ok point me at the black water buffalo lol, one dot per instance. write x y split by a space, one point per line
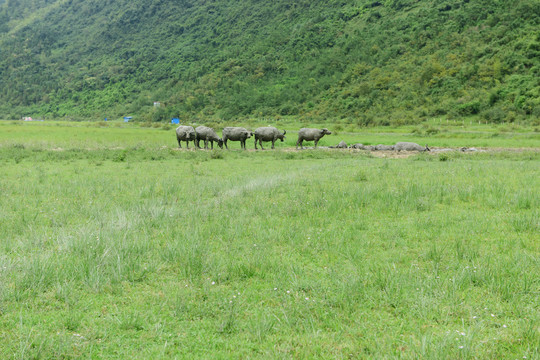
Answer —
207 135
268 133
306 134
236 134
185 133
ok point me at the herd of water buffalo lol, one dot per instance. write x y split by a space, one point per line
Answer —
271 134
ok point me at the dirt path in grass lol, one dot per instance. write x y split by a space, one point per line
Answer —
375 153
406 154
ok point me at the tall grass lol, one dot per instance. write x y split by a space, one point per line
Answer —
165 254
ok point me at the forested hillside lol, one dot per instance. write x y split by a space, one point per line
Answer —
371 62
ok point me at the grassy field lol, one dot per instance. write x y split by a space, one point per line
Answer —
115 245
110 135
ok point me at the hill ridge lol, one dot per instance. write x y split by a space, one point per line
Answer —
368 62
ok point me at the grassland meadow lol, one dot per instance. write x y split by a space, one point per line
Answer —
114 244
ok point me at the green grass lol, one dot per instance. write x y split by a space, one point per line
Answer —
147 252
113 134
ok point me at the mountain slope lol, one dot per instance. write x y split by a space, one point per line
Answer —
370 61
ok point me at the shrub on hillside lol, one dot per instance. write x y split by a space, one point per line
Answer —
494 115
469 108
432 130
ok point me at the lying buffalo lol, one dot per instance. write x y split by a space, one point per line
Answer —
306 134
409 146
236 134
341 145
185 133
268 133
207 134
382 147
358 146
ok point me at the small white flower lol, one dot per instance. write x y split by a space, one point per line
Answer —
504 326
474 317
288 292
234 296
492 315
461 346
275 289
307 298
213 283
462 334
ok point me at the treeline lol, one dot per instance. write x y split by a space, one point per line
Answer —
366 62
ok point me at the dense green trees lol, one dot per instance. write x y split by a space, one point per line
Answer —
387 61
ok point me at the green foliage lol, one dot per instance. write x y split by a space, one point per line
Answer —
373 62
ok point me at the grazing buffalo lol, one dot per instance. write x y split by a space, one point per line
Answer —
207 134
236 134
306 134
409 146
185 133
268 133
